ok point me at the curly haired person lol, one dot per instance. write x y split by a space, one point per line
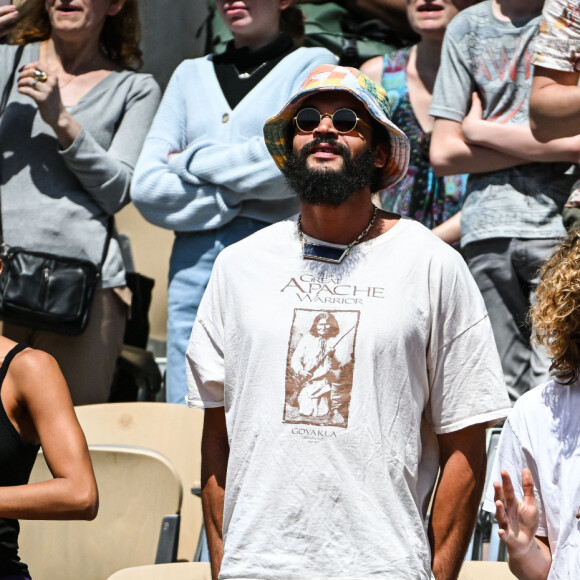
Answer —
539 517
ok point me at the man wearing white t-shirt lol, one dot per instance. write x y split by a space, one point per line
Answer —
413 375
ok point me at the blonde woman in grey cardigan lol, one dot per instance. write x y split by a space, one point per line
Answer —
70 135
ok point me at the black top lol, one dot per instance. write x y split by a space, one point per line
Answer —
16 460
239 70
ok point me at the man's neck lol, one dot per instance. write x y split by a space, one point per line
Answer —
516 10
344 223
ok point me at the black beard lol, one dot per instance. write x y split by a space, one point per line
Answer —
327 186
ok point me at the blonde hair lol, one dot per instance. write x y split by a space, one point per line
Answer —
556 315
119 39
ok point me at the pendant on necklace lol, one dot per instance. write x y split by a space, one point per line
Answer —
322 252
248 74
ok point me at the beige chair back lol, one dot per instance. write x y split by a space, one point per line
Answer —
177 571
174 431
137 488
480 570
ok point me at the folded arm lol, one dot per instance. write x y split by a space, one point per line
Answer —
42 395
166 199
187 184
243 170
451 154
516 140
554 104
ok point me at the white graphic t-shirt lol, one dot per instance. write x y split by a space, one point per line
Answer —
336 380
542 434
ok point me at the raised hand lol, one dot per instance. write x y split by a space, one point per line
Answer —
42 86
8 18
518 520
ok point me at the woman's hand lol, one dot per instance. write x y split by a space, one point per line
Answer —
8 18
38 82
518 520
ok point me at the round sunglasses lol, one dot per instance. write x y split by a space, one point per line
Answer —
343 120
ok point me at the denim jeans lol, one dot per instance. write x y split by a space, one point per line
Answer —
190 267
506 271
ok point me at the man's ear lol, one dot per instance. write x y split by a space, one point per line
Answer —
382 151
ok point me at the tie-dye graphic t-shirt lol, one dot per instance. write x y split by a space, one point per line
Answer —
421 195
558 41
493 57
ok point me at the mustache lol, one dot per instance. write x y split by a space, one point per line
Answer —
344 151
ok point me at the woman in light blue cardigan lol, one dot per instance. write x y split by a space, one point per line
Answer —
204 170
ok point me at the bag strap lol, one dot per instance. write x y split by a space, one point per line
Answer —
4 102
10 82
111 224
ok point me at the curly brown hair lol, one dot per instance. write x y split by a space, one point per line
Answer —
119 40
556 315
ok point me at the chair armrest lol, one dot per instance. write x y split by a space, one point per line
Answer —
168 539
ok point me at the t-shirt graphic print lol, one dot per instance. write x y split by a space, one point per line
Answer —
319 367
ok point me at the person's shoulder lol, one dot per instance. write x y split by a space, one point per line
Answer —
470 19
539 401
313 51
313 54
425 242
142 82
31 366
131 85
261 244
188 70
8 53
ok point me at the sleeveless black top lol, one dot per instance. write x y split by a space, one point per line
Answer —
16 460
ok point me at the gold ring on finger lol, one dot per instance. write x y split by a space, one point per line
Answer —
40 75
34 83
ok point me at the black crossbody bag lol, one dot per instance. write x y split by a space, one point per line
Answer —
43 290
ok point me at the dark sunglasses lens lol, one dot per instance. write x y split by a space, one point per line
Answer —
307 120
344 120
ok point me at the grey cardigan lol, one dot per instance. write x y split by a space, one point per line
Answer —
59 201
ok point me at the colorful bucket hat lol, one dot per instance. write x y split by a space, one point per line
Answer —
372 96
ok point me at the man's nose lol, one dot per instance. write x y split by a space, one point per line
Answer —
325 126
